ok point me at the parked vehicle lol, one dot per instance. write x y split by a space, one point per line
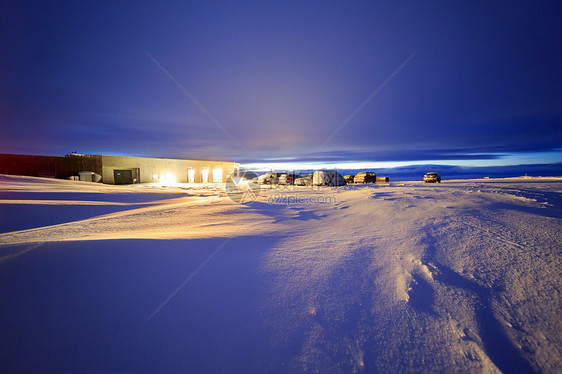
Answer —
432 178
365 177
348 178
305 180
269 178
327 178
288 178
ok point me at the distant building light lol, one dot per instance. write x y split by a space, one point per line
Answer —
191 176
205 175
217 175
168 179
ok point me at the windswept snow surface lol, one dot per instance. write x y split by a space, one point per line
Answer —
402 277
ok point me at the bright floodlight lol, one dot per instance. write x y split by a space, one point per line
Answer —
217 175
191 176
168 179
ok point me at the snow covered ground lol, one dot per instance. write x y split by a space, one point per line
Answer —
405 276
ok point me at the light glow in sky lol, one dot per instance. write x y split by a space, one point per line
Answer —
504 160
319 82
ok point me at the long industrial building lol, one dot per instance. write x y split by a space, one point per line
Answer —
119 169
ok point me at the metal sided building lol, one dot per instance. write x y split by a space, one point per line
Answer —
49 166
128 170
120 169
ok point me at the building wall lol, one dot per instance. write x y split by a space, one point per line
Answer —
143 167
150 167
49 166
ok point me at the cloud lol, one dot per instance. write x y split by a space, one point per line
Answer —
470 93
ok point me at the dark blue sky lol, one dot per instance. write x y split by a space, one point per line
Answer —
470 82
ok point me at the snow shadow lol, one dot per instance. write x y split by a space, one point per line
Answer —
278 212
15 217
128 198
307 215
553 211
497 344
83 306
422 295
388 196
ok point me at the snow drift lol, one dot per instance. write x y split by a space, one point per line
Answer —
462 276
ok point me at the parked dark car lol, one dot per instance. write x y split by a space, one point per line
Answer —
365 177
288 178
349 178
304 180
432 178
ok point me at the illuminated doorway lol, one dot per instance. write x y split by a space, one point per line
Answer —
217 175
190 175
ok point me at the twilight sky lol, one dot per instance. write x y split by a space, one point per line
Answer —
455 82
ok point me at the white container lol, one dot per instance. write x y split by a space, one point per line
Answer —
327 178
86 176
